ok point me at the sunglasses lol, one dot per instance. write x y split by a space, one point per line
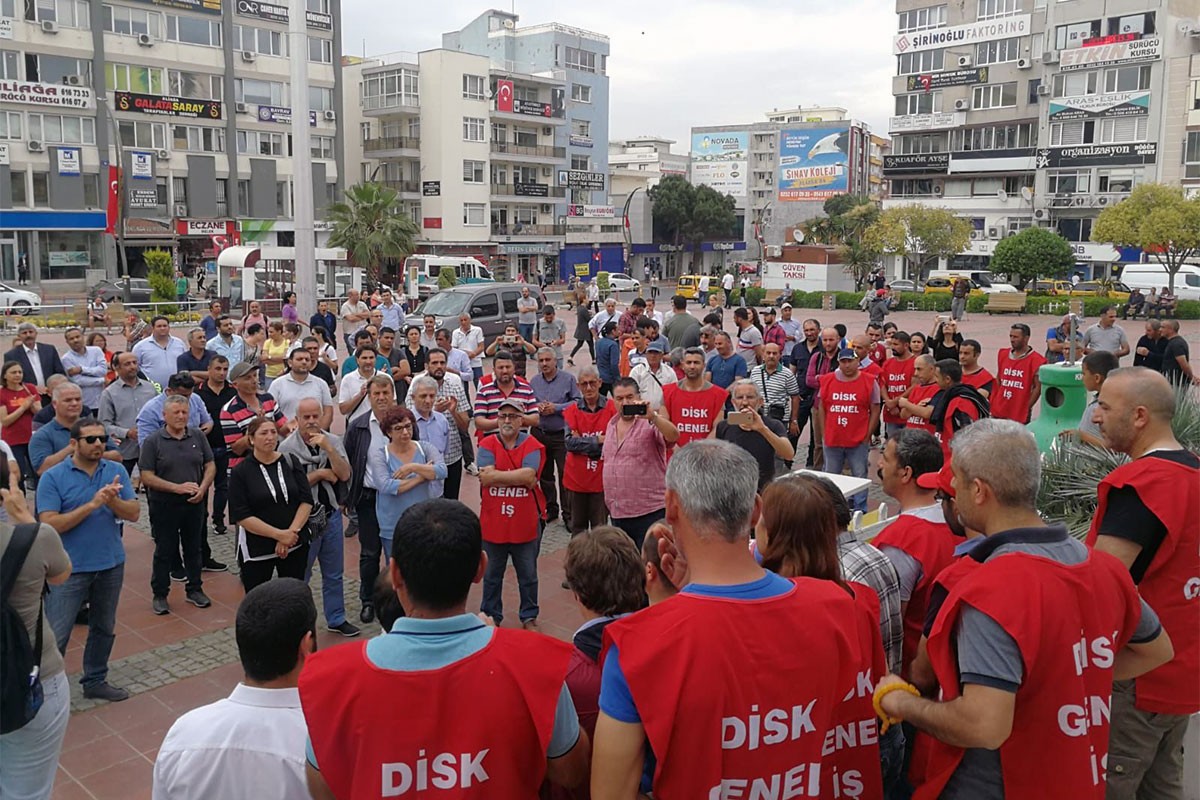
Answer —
93 439
508 416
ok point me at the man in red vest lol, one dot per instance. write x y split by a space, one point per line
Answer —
443 701
1027 644
1148 519
849 402
694 405
973 374
919 543
1018 386
511 509
956 405
583 477
896 378
917 406
719 725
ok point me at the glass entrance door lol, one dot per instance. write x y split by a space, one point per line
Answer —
8 260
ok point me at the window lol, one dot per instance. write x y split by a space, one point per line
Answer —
260 143
996 95
1075 84
473 129
582 60
320 51
1195 104
10 62
263 93
282 195
243 195
67 13
263 41
525 215
1073 35
1127 79
912 187
390 89
193 30
1191 156
919 143
320 98
41 188
581 162
581 93
320 6
989 9
91 190
364 129
581 127
179 190
1076 230
8 8
525 137
198 138
998 51
126 21
920 62
322 147
918 103
195 84
58 129
143 134
473 214
16 183
132 78
1132 23
10 125
921 18
473 87
1117 181
994 137
1118 130
473 171
1013 184
53 69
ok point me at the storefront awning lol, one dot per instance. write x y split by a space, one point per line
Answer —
239 257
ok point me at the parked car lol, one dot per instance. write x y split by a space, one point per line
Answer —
1116 291
110 291
491 306
945 285
904 286
622 282
1052 287
18 301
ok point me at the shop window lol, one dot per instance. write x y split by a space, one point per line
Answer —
16 183
41 189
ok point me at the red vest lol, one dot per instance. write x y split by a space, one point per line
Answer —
1171 585
510 514
476 728
1014 383
847 407
871 370
879 353
694 414
931 544
947 431
919 393
895 379
748 691
582 474
979 380
1067 633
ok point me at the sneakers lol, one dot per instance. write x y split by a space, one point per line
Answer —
104 691
351 529
367 615
198 598
531 625
178 575
471 469
219 528
345 629
212 565
159 605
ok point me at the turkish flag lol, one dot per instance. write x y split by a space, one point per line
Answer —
504 96
114 204
926 81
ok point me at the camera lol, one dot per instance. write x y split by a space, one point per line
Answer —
510 340
634 409
776 412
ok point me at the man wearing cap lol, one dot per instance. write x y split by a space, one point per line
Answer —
551 333
849 402
653 375
773 332
242 409
511 510
792 332
878 307
150 418
38 361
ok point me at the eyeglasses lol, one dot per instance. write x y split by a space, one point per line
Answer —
589 383
508 416
402 426
93 439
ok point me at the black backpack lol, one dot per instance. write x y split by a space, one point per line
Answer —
20 663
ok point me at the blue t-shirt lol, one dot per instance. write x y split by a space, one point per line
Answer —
615 698
726 370
209 325
49 439
95 543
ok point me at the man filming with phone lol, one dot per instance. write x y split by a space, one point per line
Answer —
763 437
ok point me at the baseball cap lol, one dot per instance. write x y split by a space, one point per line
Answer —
847 353
768 310
786 305
655 347
510 402
939 480
240 370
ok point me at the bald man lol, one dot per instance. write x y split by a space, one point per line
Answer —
916 405
1147 518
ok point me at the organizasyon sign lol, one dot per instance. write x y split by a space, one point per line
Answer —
1132 52
719 160
46 94
812 163
959 35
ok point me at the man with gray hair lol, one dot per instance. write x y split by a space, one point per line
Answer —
669 677
432 425
450 399
554 391
1028 642
52 444
85 366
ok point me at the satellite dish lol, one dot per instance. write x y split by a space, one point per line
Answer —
798 236
1001 194
1026 194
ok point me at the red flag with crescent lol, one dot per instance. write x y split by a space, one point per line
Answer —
114 205
504 96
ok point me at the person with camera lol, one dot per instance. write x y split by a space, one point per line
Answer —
779 388
634 459
763 437
516 344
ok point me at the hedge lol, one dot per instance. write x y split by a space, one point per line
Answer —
940 302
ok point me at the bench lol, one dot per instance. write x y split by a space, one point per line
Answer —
1003 302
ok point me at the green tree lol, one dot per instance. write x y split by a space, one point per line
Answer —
713 217
447 278
1158 219
1031 254
918 234
160 273
371 228
858 259
687 214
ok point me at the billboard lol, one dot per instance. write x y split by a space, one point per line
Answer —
720 160
961 35
813 163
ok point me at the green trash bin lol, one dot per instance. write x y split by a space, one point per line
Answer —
1062 403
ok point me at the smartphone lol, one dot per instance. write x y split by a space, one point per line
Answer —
740 417
510 340
943 318
634 409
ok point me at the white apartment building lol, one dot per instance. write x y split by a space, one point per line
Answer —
641 163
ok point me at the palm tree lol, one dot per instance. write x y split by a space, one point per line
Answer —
371 228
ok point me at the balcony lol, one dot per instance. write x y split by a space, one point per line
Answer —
413 187
532 152
519 230
392 146
534 192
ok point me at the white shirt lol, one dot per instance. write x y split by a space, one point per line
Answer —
288 392
650 384
35 363
705 283
349 308
251 744
379 441
657 316
352 383
727 281
469 341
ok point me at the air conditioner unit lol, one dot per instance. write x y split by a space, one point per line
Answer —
241 108
145 40
249 57
1009 233
72 80
49 26
1050 57
547 172
546 208
1103 200
1081 200
163 155
938 189
35 146
962 105
965 61
1024 63
547 130
774 251
330 116
976 235
1040 213
181 209
994 232
1043 90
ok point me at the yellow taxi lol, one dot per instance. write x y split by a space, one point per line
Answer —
1116 291
1053 287
688 286
946 285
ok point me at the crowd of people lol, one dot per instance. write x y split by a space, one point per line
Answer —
930 657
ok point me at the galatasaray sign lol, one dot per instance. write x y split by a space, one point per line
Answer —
168 106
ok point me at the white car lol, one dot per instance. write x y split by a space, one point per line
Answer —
20 301
622 282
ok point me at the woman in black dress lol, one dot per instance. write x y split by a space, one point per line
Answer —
583 333
269 500
945 340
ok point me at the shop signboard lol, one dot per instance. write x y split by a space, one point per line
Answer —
1091 155
720 160
431 188
584 210
282 115
143 198
165 105
578 140
51 95
530 189
271 12
1148 48
927 122
318 20
204 227
141 165
69 161
202 6
1092 106
958 36
812 163
916 162
69 258
532 108
4 157
432 223
6 28
581 179
941 80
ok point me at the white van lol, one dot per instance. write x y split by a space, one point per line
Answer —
983 277
428 267
1153 275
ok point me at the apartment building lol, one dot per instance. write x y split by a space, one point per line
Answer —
1015 113
491 141
196 91
642 162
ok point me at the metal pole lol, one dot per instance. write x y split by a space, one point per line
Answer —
122 199
305 266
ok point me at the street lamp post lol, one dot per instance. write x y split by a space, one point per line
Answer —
626 232
122 198
305 265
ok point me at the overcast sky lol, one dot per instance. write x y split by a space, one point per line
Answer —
677 63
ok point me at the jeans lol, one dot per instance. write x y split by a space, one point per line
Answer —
587 510
28 473
579 343
453 482
176 525
101 591
30 754
891 762
476 376
526 331
958 307
636 527
555 443
524 558
328 550
258 572
220 487
836 458
369 545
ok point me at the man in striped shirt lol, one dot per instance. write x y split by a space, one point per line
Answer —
779 388
249 403
505 383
